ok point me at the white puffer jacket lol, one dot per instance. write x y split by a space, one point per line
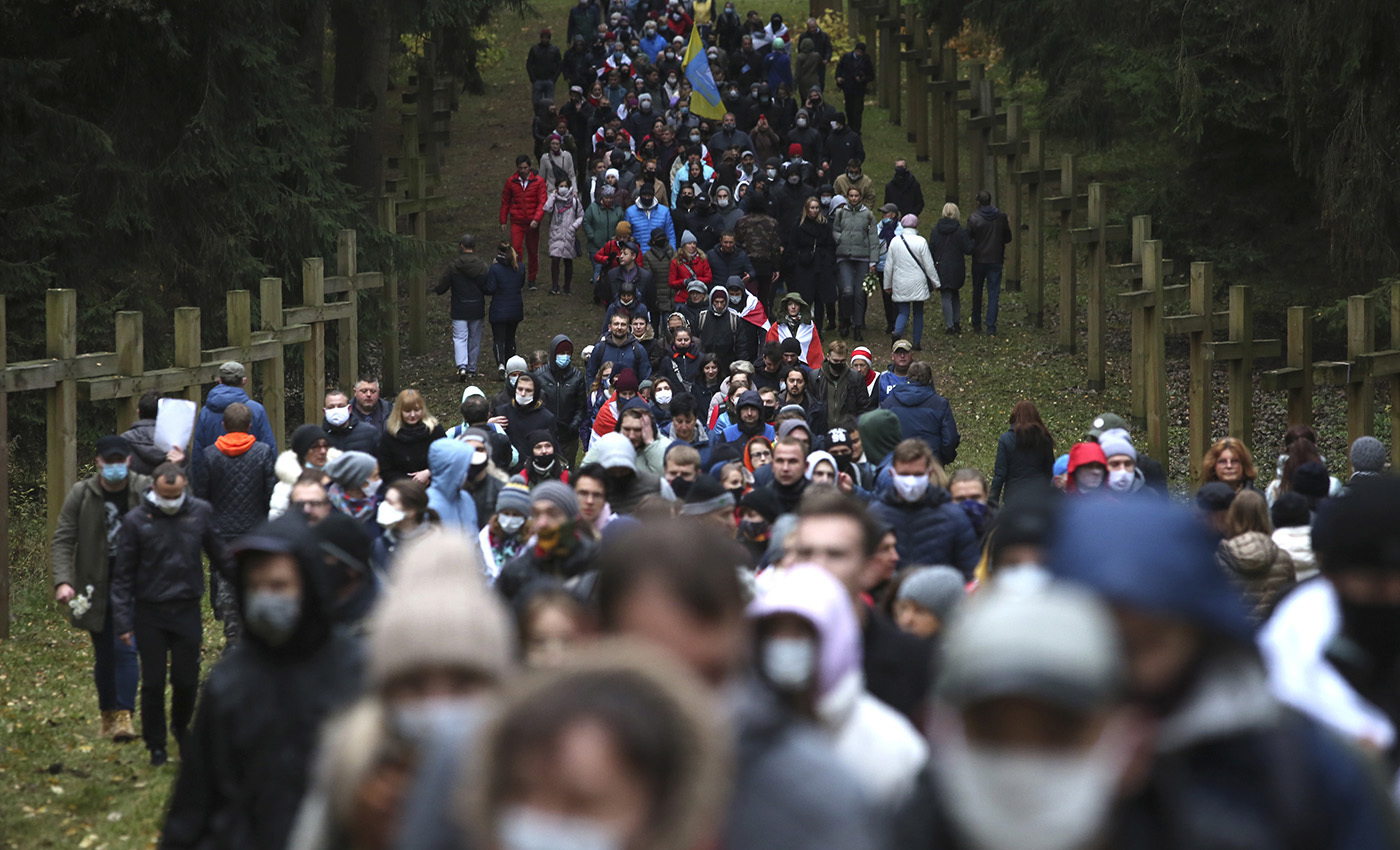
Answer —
909 267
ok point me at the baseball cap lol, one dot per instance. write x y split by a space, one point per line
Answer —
471 391
996 647
1105 422
232 369
903 345
889 208
112 446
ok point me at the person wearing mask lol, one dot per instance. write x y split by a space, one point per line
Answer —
466 277
812 248
949 243
515 367
563 546
82 555
627 483
857 249
405 517
544 462
411 429
522 207
622 350
723 331
910 276
648 215
681 361
854 178
561 388
855 74
925 414
750 424
1190 648
526 414
929 527
904 190
657 262
1025 453
245 763
342 430
991 231
1120 457
566 216
629 272
839 389
505 535
689 264
232 387
628 302
861 361
729 135
236 478
157 582
557 164
354 488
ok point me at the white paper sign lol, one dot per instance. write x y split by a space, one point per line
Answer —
175 423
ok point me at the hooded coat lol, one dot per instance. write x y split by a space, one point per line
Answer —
807 68
450 462
210 425
562 390
600 225
950 244
925 414
932 530
145 456
566 216
728 334
812 248
1262 569
466 277
521 421
245 764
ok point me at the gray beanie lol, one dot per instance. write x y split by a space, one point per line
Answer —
351 469
1116 441
940 590
1368 455
515 496
517 364
687 237
558 494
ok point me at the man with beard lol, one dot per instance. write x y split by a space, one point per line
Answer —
750 424
841 390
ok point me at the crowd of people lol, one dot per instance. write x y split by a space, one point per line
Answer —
712 580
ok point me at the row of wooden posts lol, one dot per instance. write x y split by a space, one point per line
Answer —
919 81
329 303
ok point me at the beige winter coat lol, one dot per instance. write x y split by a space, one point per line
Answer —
1261 569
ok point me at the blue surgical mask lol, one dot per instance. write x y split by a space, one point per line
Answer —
562 360
114 473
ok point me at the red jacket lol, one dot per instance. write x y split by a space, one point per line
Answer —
523 203
683 270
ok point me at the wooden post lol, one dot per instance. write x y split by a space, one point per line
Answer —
887 62
1098 221
4 489
948 77
238 304
1361 392
1142 231
976 142
274 371
61 410
1394 379
313 294
1154 339
1240 369
347 330
1199 395
1010 200
1035 235
1300 356
131 361
893 80
189 348
393 363
918 82
1067 337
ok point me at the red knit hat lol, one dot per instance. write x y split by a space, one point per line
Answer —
794 149
863 352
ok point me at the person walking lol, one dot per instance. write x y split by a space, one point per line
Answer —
1025 454
566 215
411 429
812 252
990 230
505 283
466 278
857 250
600 222
949 243
925 414
343 431
82 555
910 275
904 190
855 74
157 583
232 387
543 64
522 207
561 388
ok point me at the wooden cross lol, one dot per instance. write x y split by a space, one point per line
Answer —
981 121
349 280
1150 302
1132 272
1066 203
1010 150
1034 178
1096 238
416 204
1296 379
1238 354
888 22
946 108
918 55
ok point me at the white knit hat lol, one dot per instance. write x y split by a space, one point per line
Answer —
439 612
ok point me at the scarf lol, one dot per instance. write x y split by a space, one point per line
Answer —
412 433
235 444
556 544
361 508
683 355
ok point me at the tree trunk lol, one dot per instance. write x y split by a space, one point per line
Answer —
311 48
361 83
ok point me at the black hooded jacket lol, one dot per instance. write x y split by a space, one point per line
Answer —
562 390
245 763
466 277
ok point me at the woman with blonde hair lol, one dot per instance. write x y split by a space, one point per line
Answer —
1229 462
950 244
409 430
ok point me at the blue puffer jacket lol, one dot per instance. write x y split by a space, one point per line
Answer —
210 424
930 531
925 414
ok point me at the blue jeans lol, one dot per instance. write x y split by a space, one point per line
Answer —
541 89
115 669
952 308
991 273
903 318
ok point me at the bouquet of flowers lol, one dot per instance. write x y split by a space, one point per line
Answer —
81 604
873 283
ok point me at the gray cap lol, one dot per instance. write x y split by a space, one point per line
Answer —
889 208
1106 422
997 646
1368 455
938 590
232 369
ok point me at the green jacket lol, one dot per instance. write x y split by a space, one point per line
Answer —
600 225
80 548
856 234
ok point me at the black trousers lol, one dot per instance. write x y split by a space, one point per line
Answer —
855 109
168 630
503 340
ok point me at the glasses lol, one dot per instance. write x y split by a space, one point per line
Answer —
760 455
308 504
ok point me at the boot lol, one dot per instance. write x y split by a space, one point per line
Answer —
122 728
109 723
860 335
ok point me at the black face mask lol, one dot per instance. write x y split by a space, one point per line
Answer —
752 531
681 487
770 414
543 462
843 462
1375 629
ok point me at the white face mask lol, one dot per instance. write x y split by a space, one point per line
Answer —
428 721
337 416
1030 800
169 507
662 396
1088 479
524 399
911 488
1120 480
789 662
510 523
521 828
389 516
